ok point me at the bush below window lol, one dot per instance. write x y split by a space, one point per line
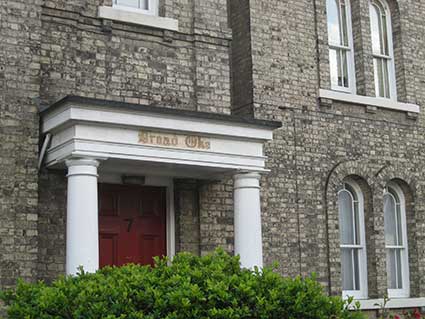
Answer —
212 286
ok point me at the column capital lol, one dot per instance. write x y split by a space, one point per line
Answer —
82 166
246 180
82 162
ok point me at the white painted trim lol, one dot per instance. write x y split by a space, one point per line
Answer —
96 149
117 117
139 17
114 134
394 303
367 100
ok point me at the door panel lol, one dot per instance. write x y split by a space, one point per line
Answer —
150 245
132 224
108 203
108 242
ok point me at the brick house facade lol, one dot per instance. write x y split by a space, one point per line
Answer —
263 62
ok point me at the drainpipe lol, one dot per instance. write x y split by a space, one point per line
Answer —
43 149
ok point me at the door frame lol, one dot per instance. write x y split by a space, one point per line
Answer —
158 181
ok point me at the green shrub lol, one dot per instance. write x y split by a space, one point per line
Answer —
213 286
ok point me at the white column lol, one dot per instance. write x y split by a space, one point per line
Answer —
248 237
82 235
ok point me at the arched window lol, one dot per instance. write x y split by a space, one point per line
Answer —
341 56
144 6
396 242
383 53
352 241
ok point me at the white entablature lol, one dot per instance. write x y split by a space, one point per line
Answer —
84 127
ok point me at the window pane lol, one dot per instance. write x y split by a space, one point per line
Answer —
375 72
345 204
336 67
386 79
138 4
375 19
355 253
394 273
344 70
350 269
334 31
357 221
399 226
382 81
144 4
397 213
384 35
347 269
344 23
391 269
338 61
379 31
352 191
128 3
339 66
379 77
390 220
399 274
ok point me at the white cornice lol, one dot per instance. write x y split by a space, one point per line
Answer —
113 134
72 113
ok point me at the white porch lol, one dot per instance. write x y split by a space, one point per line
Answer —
118 140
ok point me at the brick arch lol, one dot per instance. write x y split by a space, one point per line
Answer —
397 171
342 170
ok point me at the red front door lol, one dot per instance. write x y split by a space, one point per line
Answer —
132 226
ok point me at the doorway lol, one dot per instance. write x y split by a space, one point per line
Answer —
132 224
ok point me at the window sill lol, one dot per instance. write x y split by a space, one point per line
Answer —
368 101
138 18
394 303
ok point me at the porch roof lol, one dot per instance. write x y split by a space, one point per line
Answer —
160 110
144 138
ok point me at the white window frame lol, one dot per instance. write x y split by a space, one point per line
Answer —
389 58
405 291
348 49
362 293
153 7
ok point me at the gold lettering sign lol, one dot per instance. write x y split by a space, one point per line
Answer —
174 140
